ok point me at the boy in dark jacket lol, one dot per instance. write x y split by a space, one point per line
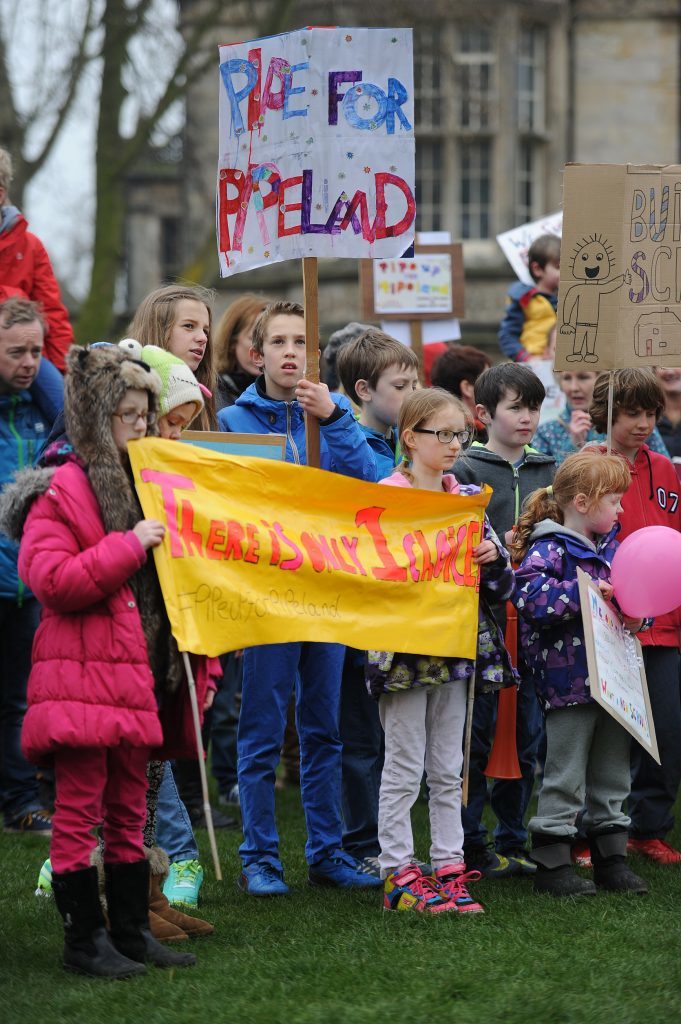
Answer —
276 403
508 399
652 500
531 309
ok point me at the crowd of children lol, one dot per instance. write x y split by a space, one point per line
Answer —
107 678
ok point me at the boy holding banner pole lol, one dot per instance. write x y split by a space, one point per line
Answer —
278 402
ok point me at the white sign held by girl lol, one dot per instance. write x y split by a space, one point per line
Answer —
616 672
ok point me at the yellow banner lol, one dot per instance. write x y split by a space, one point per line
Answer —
259 552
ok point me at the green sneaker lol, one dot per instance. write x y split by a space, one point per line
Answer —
489 863
182 885
45 880
521 857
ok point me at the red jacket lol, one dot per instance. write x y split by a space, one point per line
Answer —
25 266
653 500
91 684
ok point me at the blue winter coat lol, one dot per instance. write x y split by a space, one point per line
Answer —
343 446
384 450
549 610
23 431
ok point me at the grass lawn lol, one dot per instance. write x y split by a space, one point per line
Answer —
326 957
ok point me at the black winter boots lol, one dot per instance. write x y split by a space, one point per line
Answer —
127 896
609 858
87 945
555 875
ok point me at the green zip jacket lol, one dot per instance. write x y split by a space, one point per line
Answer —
511 485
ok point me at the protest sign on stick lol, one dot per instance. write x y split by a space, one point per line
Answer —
315 155
316 146
619 303
617 677
427 286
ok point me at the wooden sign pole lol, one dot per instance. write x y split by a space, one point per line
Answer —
611 385
416 334
311 302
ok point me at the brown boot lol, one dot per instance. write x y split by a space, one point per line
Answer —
165 931
160 908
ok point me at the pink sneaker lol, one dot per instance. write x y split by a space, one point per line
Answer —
451 881
409 889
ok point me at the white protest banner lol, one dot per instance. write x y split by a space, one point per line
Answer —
316 147
616 674
515 244
554 403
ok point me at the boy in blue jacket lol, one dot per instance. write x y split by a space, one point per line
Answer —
276 403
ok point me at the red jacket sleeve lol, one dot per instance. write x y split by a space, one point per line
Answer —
45 290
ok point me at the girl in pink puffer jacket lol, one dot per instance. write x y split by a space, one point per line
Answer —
104 659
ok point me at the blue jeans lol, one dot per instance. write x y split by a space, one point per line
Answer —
224 723
654 787
174 832
362 738
269 679
19 792
509 798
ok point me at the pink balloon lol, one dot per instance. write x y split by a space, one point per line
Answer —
646 572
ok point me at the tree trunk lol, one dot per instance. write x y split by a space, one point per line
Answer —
96 313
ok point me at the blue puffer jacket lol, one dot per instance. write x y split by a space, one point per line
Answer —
23 431
549 610
343 446
384 450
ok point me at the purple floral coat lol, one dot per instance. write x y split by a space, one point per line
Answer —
549 610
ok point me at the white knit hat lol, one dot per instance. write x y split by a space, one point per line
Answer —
178 383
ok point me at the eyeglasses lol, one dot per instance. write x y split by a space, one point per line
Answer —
130 418
447 436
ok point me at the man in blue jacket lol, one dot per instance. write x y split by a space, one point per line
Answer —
276 404
23 430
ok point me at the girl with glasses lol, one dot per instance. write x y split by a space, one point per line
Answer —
107 675
422 699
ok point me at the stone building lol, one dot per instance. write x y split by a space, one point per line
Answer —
506 93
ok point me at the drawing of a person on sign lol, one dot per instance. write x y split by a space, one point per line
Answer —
591 266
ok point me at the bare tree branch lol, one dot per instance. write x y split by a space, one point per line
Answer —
80 60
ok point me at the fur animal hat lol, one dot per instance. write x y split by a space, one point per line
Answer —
96 381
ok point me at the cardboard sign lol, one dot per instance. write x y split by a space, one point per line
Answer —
266 552
617 678
515 244
619 303
316 147
259 446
